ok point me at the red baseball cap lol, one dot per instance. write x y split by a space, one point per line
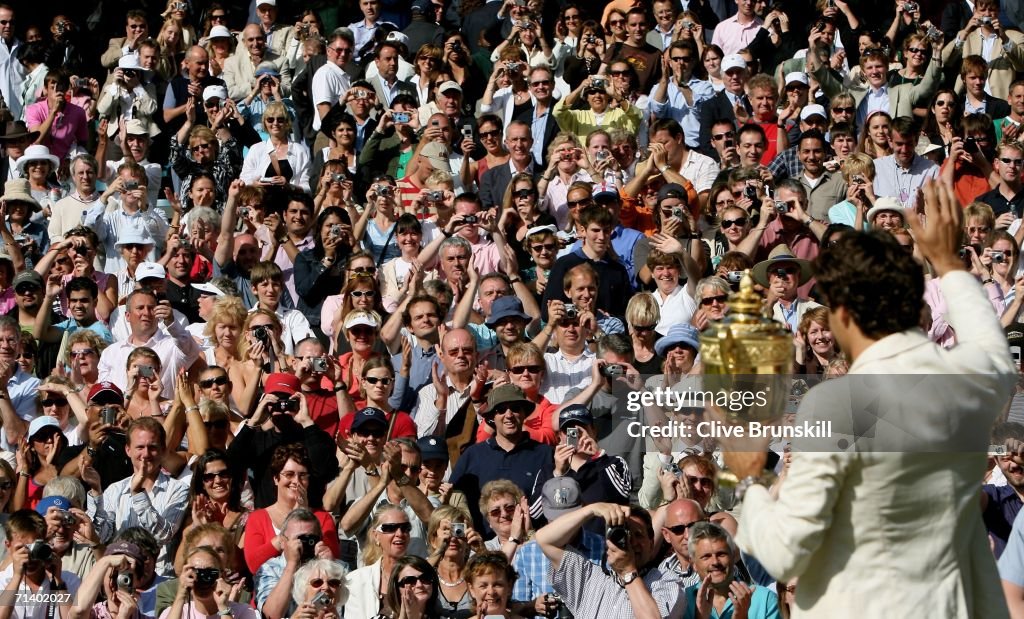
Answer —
106 392
281 382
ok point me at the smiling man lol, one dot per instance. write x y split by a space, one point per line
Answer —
713 553
824 189
149 497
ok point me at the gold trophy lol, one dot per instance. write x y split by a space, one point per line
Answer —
747 359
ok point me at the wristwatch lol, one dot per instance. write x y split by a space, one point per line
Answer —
808 220
516 541
748 481
225 613
628 577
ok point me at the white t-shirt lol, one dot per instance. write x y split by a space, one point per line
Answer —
330 83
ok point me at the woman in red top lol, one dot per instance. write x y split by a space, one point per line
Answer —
526 370
263 540
362 332
35 458
377 384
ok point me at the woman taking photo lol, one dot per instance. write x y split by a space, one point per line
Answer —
587 56
500 98
387 542
598 112
415 593
1004 256
216 496
178 12
341 149
521 212
530 40
320 270
813 342
142 398
491 132
874 137
102 578
460 65
289 467
566 162
942 123
278 162
334 187
262 347
374 226
642 318
321 578
449 554
201 592
266 90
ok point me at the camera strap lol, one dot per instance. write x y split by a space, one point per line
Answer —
387 241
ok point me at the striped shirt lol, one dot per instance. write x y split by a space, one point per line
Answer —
563 374
588 592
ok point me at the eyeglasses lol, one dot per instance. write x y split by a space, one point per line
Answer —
681 58
27 354
572 17
275 119
427 58
220 424
679 529
373 380
362 293
410 580
721 136
394 527
715 299
54 402
543 247
198 147
844 110
490 134
221 474
618 73
578 203
1014 162
541 83
301 475
523 193
497 511
85 352
978 229
340 50
644 328
694 480
206 383
519 369
616 22
134 246
728 223
333 583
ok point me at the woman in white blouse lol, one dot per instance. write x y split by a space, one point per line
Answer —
277 162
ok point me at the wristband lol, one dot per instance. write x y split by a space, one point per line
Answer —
191 408
986 282
341 386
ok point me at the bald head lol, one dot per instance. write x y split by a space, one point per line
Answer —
197 63
683 511
197 53
458 352
254 40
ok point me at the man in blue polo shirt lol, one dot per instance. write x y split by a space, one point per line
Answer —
1001 504
509 454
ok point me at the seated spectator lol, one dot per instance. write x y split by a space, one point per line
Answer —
368 586
969 165
416 589
301 542
713 553
782 274
316 580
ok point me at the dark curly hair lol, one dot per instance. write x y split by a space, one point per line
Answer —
875 279
293 451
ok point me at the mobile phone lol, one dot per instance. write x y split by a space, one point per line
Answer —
400 117
970 144
1015 353
467 132
572 437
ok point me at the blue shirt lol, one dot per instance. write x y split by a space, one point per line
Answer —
528 465
1003 507
266 578
423 360
21 390
675 107
764 604
1011 563
71 325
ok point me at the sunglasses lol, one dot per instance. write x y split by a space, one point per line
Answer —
362 293
333 583
917 50
523 193
27 289
721 136
220 17
578 203
222 474
679 529
844 110
27 355
681 58
340 50
408 581
373 380
519 369
134 247
644 328
616 22
6 484
206 383
728 223
490 134
373 433
85 352
718 298
618 73
693 480
220 424
496 511
943 103
54 402
363 270
1014 162
199 147
541 83
394 527
543 247
275 119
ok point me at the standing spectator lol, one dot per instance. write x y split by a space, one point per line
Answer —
902 174
11 70
636 51
62 127
737 32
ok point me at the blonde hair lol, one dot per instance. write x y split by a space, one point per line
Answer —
84 336
373 552
275 326
226 310
858 164
643 309
445 512
278 109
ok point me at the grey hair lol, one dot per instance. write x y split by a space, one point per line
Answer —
68 487
344 34
454 241
715 282
793 185
301 514
330 569
88 160
710 531
206 214
10 323
618 343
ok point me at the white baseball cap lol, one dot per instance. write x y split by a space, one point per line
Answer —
733 61
813 110
797 77
209 288
357 319
146 270
215 91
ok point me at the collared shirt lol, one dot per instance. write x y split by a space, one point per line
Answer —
828 190
1000 204
159 511
426 413
688 115
894 181
873 101
564 373
21 390
556 194
537 129
266 578
764 604
677 308
330 83
700 170
671 567
1003 506
588 592
32 610
175 347
117 223
534 568
69 129
732 36
390 91
288 267
970 108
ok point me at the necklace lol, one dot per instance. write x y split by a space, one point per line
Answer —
450 584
